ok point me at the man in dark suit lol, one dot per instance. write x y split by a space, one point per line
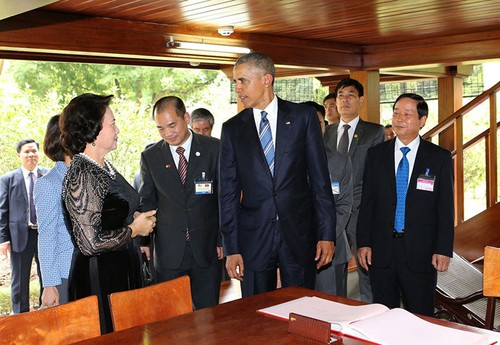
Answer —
405 226
354 136
18 225
276 203
179 176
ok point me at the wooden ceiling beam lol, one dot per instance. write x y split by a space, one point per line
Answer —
43 34
55 33
451 50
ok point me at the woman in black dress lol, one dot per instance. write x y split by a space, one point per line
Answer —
100 206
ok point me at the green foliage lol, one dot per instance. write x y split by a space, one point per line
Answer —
5 303
5 306
32 92
141 85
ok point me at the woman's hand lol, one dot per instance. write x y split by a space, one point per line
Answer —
143 223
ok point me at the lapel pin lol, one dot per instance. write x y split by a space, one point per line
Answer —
167 166
287 123
197 154
356 137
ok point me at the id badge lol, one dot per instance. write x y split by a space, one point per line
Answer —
426 182
335 188
203 185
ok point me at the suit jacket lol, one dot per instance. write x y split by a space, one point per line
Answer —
178 206
366 135
299 194
14 208
429 225
340 169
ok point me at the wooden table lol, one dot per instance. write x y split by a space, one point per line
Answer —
235 322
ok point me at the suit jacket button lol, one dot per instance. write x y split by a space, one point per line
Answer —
273 220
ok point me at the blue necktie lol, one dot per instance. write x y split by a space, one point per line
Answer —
32 203
401 190
266 140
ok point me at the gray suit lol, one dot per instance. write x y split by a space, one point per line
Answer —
14 206
332 278
366 135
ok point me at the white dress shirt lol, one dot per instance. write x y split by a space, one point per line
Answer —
272 117
340 130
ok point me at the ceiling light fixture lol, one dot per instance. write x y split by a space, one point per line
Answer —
226 30
206 47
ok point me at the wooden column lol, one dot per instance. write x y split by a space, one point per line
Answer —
491 156
449 100
370 111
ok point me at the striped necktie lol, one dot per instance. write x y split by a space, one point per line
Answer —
183 165
266 140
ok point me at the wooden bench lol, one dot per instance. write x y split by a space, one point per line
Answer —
459 293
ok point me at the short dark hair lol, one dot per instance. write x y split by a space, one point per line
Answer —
164 102
259 60
332 95
316 106
388 126
202 114
346 82
81 121
24 142
422 107
52 140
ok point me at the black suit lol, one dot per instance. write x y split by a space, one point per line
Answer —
366 135
429 226
179 208
259 210
14 206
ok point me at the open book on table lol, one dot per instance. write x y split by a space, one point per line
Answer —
376 323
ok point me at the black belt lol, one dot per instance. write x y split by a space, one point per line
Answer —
396 234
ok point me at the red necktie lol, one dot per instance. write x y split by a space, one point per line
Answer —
183 164
182 168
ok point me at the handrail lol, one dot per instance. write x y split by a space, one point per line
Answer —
475 139
450 120
455 121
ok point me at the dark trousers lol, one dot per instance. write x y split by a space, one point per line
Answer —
291 273
20 265
391 283
205 281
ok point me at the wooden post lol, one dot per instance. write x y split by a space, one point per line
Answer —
491 156
370 111
449 101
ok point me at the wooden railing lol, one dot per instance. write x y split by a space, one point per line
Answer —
489 136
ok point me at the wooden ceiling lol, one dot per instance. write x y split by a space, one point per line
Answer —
324 38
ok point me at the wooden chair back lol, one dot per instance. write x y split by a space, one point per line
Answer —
152 303
64 324
491 282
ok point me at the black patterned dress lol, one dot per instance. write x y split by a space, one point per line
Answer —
99 205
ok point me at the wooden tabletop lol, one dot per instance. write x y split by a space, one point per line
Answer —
235 322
